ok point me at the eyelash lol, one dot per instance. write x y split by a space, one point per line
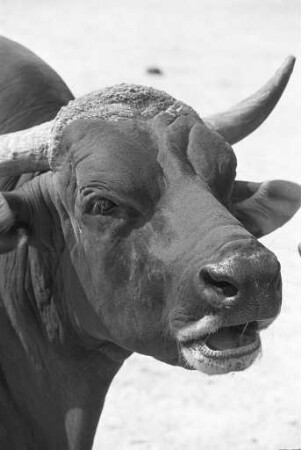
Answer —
100 206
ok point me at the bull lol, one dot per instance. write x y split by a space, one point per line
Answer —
123 229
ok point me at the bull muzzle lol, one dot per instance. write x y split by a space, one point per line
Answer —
242 291
246 273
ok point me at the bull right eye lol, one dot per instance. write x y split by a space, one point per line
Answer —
100 206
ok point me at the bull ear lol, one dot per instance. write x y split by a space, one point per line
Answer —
264 207
12 231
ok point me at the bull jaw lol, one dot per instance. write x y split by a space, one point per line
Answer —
224 350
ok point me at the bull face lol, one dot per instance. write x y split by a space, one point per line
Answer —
159 251
163 263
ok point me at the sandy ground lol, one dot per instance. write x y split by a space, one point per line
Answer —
212 53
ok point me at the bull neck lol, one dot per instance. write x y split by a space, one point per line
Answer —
64 382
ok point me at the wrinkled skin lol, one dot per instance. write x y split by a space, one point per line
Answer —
92 281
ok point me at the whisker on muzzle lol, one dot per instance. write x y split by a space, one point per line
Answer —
243 332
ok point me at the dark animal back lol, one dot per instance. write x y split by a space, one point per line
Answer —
31 92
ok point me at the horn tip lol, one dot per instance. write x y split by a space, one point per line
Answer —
288 64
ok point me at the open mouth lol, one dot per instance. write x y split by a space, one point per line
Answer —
223 350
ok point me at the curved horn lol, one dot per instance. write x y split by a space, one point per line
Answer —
236 123
26 150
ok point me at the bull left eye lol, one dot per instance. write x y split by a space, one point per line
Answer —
100 206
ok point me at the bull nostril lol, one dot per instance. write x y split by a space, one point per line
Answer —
224 287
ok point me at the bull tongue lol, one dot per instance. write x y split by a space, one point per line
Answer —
229 337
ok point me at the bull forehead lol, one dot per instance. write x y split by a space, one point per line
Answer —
137 158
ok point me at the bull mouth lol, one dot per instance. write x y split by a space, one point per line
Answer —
226 349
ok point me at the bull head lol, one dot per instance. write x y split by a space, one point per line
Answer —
158 234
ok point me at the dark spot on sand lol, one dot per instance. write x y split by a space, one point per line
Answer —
154 70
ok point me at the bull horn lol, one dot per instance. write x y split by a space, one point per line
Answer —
26 150
239 121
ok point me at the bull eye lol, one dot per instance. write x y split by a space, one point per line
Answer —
100 206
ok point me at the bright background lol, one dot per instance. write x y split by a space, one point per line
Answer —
212 53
